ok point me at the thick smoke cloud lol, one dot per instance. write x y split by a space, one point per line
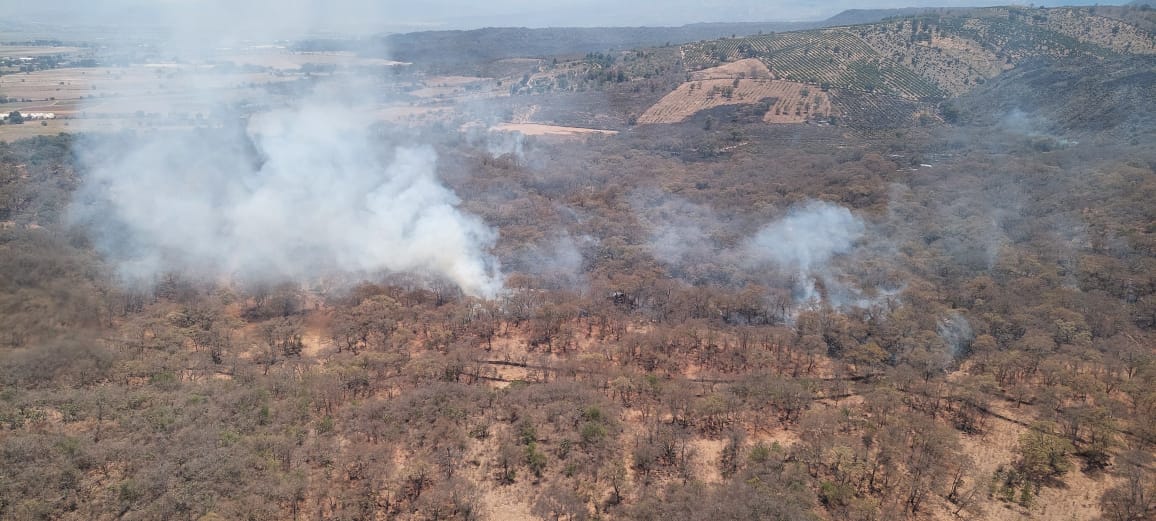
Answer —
804 242
322 199
306 190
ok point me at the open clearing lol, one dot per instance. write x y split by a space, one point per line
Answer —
1077 499
459 88
748 68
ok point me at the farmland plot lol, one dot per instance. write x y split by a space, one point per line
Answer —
954 64
784 101
833 57
748 68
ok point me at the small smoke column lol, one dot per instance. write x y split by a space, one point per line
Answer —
956 332
305 190
679 229
503 144
803 243
559 261
1035 128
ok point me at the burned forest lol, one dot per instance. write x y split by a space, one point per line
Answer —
898 264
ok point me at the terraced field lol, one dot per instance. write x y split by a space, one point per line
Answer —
876 111
743 82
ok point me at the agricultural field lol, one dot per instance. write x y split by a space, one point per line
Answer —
749 68
456 87
18 51
866 110
149 95
784 101
954 64
834 57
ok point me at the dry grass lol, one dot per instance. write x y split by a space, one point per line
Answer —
749 68
506 504
791 102
1077 499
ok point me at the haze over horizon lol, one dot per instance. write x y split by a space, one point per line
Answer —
368 17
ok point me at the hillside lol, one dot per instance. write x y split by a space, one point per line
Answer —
1083 96
465 48
930 56
886 74
936 55
474 47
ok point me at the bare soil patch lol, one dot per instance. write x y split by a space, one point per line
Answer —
749 68
787 101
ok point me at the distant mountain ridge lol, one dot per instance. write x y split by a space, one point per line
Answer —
867 16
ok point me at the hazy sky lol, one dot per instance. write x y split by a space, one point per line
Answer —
393 15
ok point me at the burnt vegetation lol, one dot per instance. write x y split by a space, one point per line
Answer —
999 347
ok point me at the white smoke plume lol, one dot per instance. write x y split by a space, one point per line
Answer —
506 144
804 242
679 229
305 190
956 332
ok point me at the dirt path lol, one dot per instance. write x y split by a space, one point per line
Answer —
536 129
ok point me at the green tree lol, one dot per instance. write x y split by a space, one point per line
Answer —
1043 455
535 459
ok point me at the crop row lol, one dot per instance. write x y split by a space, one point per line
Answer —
696 96
832 58
874 111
